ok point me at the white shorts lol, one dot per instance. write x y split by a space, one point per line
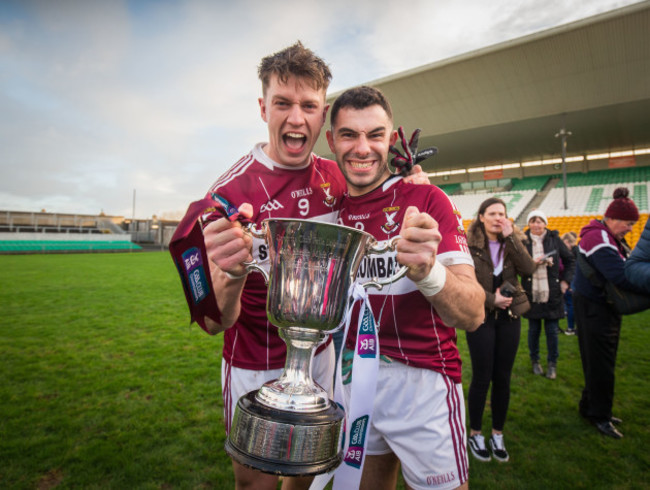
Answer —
236 382
419 415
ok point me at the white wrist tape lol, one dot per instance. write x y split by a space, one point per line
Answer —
233 276
434 282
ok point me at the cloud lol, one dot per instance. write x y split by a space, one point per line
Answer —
99 98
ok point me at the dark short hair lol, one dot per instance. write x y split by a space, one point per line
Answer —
360 98
298 61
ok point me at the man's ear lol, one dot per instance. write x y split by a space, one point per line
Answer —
393 137
330 140
327 106
262 108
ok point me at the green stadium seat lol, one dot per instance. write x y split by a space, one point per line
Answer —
530 183
25 246
450 189
611 176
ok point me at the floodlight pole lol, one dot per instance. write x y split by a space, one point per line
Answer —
564 134
133 227
133 210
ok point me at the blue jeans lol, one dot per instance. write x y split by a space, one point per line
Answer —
550 328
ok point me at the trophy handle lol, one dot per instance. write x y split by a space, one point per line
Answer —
380 249
252 230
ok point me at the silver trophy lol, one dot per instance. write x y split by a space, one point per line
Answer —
289 426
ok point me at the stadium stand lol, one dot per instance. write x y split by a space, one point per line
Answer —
610 176
516 202
450 189
591 199
530 183
26 232
588 195
44 246
565 224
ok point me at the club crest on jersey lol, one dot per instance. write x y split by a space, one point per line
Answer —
390 226
329 199
460 228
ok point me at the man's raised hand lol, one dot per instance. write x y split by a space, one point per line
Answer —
227 244
418 245
404 162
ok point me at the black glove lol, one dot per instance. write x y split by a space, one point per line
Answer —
404 162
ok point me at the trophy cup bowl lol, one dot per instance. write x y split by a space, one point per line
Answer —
289 426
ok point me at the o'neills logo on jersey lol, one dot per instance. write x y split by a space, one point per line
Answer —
273 205
390 226
329 199
307 191
358 217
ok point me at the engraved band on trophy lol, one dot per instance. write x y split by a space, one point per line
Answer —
289 426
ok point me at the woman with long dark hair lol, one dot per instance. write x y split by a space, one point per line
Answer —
499 257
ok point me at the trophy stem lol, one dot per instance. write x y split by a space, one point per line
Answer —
295 390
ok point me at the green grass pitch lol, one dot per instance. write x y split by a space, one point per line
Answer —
104 384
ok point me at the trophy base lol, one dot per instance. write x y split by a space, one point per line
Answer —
285 443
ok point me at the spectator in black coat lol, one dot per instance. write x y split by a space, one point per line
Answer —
545 288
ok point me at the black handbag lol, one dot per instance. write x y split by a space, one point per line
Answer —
623 301
520 303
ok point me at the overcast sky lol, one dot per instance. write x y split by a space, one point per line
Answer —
101 98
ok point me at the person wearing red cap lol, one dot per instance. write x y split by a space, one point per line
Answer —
602 245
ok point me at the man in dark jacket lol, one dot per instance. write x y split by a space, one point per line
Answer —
603 247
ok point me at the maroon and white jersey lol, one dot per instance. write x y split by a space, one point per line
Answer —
275 191
410 330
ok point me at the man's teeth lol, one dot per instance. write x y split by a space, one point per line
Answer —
360 165
295 135
295 141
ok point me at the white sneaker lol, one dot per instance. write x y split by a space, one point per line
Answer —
498 448
477 447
